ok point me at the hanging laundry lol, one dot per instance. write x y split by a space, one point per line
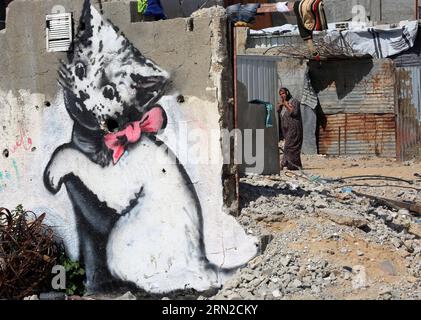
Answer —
310 17
282 7
154 9
242 13
269 111
141 6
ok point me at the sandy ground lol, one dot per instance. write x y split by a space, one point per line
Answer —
348 166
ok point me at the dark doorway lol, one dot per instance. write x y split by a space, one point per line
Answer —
2 14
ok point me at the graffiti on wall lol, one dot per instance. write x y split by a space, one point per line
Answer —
139 222
23 141
9 175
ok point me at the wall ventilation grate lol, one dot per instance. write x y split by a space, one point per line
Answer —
59 32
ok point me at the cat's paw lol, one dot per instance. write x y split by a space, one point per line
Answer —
57 169
51 181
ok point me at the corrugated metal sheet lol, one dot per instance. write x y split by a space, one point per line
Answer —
359 134
409 112
259 75
355 86
272 40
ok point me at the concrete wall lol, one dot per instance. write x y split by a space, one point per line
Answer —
291 74
393 11
98 152
385 11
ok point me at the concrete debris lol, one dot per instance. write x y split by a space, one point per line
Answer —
276 293
127 296
325 244
415 229
360 279
344 217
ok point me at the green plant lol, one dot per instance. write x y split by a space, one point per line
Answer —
75 275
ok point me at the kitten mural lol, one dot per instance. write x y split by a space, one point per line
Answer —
138 223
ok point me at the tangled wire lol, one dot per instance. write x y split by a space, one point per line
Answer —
28 252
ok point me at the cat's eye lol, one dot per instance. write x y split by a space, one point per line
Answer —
109 92
80 70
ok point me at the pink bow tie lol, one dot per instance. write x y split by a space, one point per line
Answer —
152 121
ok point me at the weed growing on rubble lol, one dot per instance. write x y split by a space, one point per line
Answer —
75 275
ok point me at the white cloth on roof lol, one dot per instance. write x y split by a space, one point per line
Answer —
375 41
282 6
360 40
286 28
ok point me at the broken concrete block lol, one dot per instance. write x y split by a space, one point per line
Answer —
344 217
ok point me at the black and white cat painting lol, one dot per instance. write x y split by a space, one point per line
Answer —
138 221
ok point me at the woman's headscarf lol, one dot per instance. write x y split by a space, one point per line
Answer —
289 96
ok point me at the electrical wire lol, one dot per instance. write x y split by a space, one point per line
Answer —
378 186
373 177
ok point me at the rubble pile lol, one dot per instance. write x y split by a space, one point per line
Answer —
327 243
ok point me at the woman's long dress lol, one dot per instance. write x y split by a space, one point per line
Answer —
292 129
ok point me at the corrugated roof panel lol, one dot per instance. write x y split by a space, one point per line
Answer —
409 112
355 86
359 134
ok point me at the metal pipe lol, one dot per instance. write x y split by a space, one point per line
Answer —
339 141
235 77
237 175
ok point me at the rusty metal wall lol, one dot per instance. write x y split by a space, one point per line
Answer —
358 99
355 86
409 112
358 134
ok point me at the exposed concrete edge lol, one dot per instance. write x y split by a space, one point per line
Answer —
220 72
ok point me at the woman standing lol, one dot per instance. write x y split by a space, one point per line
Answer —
292 129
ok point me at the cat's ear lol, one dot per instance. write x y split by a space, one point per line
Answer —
86 11
85 29
148 82
149 89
